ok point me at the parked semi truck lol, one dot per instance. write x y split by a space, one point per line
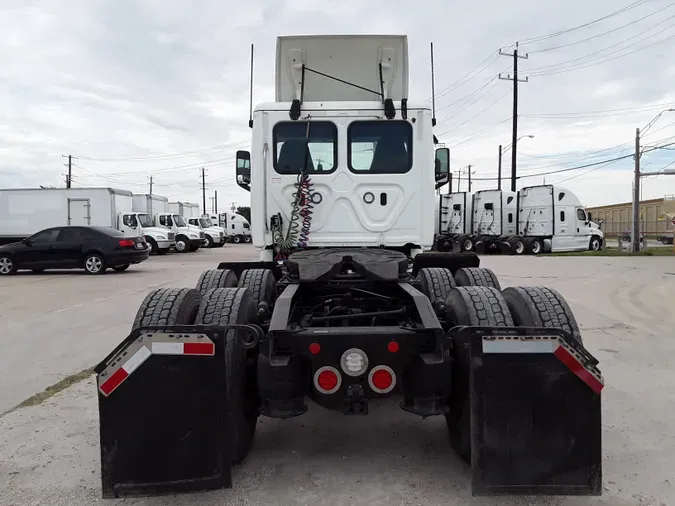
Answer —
536 219
346 305
26 211
237 228
186 238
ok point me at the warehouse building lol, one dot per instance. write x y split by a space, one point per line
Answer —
656 216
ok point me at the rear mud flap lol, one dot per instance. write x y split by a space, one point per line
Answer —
535 412
163 413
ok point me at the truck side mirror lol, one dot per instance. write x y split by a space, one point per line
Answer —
244 170
589 216
442 166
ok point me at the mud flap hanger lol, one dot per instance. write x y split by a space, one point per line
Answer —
385 68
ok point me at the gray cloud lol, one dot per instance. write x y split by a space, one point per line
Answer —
133 81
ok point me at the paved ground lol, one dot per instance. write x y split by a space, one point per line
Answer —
55 325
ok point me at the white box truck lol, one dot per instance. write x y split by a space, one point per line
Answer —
186 238
26 211
214 237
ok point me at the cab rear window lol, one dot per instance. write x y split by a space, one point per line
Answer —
291 141
380 147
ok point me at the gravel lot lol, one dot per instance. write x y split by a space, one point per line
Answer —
56 324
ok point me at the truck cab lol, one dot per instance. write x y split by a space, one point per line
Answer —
214 237
187 238
142 224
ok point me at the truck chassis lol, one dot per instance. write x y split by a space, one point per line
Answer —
179 398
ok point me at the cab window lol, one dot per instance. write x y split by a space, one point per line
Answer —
129 220
296 147
380 147
581 215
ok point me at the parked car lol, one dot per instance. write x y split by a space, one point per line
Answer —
93 249
665 239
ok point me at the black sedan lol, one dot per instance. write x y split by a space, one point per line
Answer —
93 249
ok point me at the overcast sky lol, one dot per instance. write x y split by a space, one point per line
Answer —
135 88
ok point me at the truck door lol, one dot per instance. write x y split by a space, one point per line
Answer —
565 229
129 225
583 230
78 212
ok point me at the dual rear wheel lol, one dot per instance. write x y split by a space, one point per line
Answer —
220 298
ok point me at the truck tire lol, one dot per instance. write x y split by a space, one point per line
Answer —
154 250
224 306
595 243
435 282
261 283
247 238
476 306
518 246
534 246
208 241
236 239
182 244
540 306
466 243
216 278
476 276
168 306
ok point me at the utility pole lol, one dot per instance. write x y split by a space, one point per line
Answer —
151 185
515 80
204 190
635 246
215 202
469 173
499 169
69 176
459 179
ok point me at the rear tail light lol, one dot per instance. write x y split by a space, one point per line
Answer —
127 243
327 380
382 379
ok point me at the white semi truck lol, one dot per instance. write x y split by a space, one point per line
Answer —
346 306
214 237
536 219
186 238
237 228
28 210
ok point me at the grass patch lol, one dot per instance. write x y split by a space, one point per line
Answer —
52 390
649 252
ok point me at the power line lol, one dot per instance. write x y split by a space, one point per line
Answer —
579 27
559 67
462 81
585 166
475 115
602 34
168 156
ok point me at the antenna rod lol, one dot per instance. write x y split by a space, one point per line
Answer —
250 95
433 89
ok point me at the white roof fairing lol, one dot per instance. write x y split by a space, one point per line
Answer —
351 58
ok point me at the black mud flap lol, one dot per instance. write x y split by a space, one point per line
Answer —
163 413
452 261
535 412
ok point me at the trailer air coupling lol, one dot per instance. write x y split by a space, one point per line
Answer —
440 307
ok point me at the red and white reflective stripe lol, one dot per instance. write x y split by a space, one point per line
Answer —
572 362
125 371
183 349
151 343
546 344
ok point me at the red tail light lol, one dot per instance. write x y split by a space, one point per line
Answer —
127 243
327 380
382 379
